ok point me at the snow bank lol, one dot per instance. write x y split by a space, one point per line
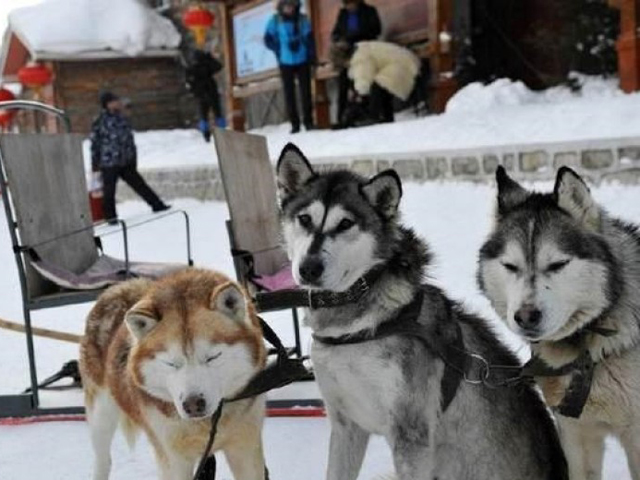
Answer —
508 93
73 26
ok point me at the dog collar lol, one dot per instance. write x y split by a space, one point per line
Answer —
315 299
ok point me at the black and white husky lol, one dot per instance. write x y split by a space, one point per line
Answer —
566 276
339 227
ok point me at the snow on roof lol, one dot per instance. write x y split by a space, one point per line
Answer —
67 27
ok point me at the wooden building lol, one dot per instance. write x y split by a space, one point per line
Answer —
153 80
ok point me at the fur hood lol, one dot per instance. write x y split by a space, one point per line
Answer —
391 66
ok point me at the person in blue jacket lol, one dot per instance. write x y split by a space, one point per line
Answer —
290 37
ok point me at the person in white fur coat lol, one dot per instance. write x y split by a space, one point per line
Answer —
379 71
388 65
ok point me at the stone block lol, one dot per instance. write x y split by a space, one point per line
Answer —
409 169
534 161
565 159
366 168
509 161
595 159
490 163
436 167
465 166
382 165
630 153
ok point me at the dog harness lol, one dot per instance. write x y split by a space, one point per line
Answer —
441 337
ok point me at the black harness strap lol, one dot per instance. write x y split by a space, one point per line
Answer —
577 393
282 372
443 340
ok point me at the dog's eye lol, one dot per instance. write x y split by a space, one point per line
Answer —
213 357
305 220
557 266
345 224
171 364
511 267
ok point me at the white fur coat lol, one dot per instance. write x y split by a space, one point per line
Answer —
391 66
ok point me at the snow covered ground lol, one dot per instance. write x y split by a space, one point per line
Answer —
453 217
502 113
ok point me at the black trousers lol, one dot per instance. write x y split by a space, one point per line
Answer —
207 103
131 176
344 85
380 104
303 74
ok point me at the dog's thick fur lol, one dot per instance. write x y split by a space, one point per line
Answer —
554 264
159 357
339 225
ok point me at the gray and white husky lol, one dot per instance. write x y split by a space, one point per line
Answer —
338 226
566 276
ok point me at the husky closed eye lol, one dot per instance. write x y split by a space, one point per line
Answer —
556 266
213 357
171 364
305 220
345 224
511 267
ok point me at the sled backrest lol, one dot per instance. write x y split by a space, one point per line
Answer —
48 196
250 189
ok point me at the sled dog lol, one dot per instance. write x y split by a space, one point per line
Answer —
159 357
341 228
565 276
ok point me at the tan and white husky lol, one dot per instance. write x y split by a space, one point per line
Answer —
160 356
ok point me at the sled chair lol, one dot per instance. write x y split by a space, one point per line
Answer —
260 263
60 261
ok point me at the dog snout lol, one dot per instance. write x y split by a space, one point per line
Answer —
195 406
528 317
311 269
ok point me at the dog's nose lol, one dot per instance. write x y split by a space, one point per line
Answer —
195 405
311 269
528 316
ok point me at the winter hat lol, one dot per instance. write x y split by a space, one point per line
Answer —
293 3
107 97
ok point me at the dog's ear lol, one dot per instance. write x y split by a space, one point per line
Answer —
573 196
229 300
140 320
510 192
293 170
384 192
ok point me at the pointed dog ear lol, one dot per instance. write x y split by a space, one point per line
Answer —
573 196
384 192
229 300
140 321
510 192
293 170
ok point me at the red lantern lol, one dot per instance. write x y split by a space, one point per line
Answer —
6 115
35 76
198 19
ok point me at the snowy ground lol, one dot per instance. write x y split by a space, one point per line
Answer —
454 218
502 113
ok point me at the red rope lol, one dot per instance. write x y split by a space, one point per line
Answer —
271 412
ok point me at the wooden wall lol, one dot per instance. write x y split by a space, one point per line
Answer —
154 85
399 17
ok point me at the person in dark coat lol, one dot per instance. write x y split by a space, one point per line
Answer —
356 22
289 36
202 83
114 155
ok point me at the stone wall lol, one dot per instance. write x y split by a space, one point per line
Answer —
611 159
